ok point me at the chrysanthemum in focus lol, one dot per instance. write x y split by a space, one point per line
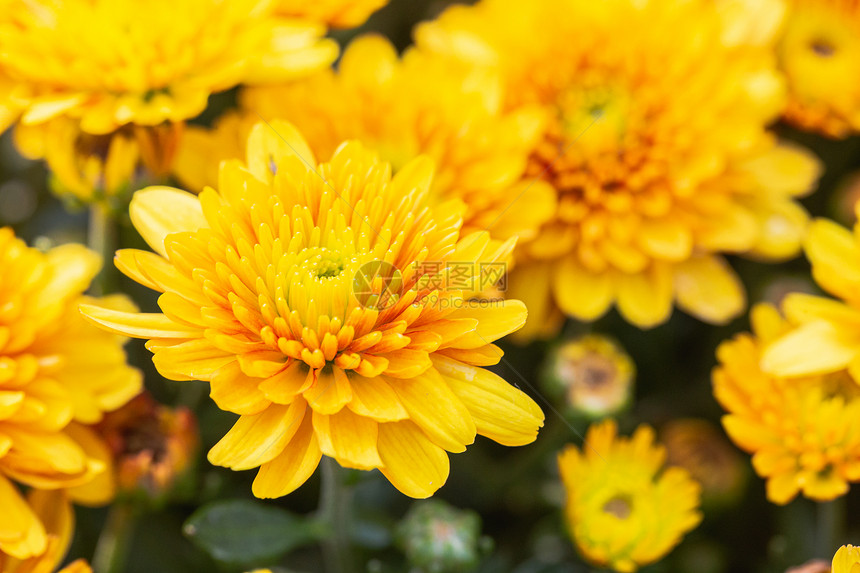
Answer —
846 560
803 431
624 508
96 67
321 303
656 145
57 374
400 108
819 53
54 513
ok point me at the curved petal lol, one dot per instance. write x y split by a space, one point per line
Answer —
709 289
348 438
295 464
434 408
412 463
645 299
813 348
501 411
258 438
580 293
159 211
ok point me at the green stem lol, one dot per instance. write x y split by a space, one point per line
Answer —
113 544
102 238
830 518
335 509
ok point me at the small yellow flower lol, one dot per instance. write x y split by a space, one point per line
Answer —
656 144
595 374
335 13
803 431
53 513
400 108
624 508
57 374
819 52
846 560
318 301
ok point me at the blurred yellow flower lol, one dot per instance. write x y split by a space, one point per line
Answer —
625 509
846 560
656 145
318 303
98 105
57 373
401 109
826 338
335 13
53 513
819 52
595 374
145 66
803 432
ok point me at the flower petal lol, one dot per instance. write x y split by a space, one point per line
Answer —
645 299
580 293
412 463
501 411
258 438
814 348
374 398
159 211
434 408
709 289
495 320
348 438
330 391
285 473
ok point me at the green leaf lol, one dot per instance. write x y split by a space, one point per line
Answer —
248 532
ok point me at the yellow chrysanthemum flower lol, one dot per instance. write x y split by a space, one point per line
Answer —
138 66
625 509
846 560
97 105
321 305
54 513
827 334
819 52
335 13
656 145
803 432
57 373
401 109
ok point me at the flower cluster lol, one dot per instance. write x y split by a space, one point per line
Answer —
338 244
58 375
